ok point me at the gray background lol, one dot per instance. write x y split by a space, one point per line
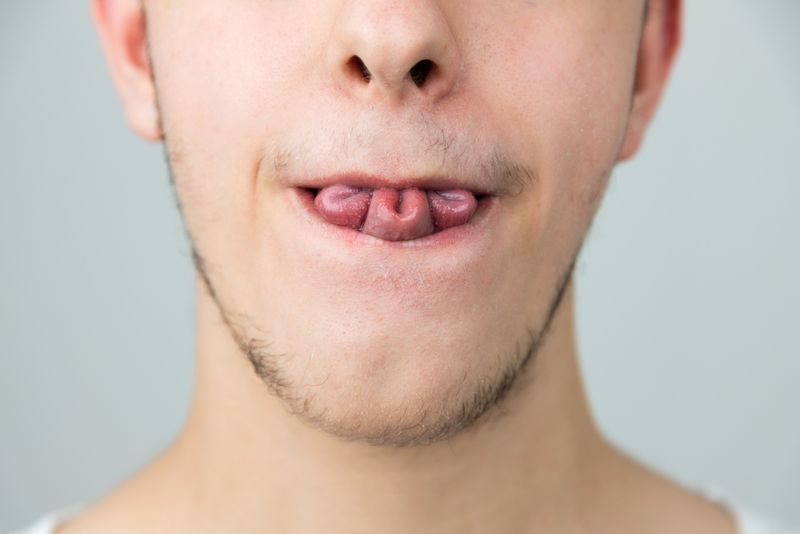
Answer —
688 287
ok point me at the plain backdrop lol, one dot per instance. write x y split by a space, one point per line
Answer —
688 289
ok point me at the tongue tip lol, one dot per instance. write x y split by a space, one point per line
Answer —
399 215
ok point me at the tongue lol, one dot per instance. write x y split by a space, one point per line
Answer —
398 215
395 215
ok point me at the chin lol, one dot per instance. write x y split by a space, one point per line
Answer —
388 386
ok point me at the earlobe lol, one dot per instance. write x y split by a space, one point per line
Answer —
121 25
658 48
634 130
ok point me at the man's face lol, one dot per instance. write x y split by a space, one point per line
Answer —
263 102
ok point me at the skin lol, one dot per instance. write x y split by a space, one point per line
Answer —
343 385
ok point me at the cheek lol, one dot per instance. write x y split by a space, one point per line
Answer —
227 75
558 93
560 83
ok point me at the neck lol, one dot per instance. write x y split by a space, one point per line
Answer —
252 467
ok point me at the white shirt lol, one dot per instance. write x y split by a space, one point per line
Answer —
748 522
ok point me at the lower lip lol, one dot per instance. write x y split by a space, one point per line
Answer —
475 230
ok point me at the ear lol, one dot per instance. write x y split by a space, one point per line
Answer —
123 33
658 47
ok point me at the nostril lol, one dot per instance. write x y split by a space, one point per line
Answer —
357 65
419 72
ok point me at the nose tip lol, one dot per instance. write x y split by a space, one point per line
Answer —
393 49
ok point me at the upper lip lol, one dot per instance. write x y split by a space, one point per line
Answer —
373 181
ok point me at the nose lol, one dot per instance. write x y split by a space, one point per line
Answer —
393 50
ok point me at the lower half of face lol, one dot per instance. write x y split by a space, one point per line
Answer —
391 327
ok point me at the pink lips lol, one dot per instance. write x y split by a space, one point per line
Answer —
395 214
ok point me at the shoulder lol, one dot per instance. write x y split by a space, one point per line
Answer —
48 523
748 520
751 522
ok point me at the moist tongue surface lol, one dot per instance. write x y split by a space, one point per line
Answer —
395 215
343 205
452 208
398 215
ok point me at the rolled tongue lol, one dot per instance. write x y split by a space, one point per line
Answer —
395 215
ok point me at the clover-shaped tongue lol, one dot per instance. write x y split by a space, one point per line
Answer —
392 214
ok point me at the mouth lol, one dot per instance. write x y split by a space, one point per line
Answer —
369 210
